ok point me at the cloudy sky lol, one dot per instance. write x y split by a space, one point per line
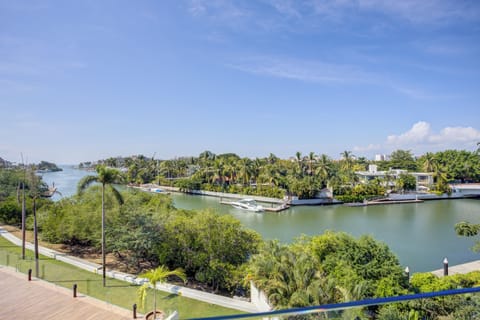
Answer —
84 80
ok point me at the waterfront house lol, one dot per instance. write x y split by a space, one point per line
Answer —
423 179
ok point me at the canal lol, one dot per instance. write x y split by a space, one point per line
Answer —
420 234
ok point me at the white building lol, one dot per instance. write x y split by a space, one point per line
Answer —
424 180
381 157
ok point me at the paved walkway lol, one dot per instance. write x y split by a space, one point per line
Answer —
37 299
460 269
226 302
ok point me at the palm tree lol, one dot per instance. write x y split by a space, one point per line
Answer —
429 162
311 161
160 274
324 168
348 158
244 170
37 190
106 177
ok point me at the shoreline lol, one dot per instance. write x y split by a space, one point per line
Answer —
396 198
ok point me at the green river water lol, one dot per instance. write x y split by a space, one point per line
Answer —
420 234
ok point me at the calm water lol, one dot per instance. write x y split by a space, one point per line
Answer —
421 234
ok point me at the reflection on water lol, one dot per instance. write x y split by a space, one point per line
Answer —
421 234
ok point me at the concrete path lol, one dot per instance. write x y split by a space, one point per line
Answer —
460 269
37 299
226 302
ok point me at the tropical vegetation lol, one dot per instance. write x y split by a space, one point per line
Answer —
300 175
145 231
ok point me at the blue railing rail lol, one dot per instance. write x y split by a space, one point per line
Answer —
347 305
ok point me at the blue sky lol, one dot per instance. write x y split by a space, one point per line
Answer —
85 80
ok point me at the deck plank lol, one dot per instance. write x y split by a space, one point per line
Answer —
37 299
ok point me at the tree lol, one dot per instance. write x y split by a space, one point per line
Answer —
467 229
403 159
324 169
106 177
406 182
37 190
154 276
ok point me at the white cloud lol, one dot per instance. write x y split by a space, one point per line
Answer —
456 134
419 133
222 10
421 138
325 73
303 70
414 11
286 7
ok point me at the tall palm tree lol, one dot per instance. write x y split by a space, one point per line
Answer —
347 157
37 190
154 276
324 168
429 162
106 177
311 161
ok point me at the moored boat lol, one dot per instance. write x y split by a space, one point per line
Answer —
247 204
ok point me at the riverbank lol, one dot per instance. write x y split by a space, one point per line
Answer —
276 204
283 204
151 187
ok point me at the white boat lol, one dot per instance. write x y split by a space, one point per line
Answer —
247 204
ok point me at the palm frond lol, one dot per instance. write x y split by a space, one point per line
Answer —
118 196
142 294
85 182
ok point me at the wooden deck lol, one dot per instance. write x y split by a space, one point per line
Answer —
37 299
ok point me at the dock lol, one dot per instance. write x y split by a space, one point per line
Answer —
380 202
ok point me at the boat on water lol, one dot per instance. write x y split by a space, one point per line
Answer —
247 204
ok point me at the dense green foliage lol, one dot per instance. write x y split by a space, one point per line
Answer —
333 267
467 229
446 308
11 185
147 231
302 176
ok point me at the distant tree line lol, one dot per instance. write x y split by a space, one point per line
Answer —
301 175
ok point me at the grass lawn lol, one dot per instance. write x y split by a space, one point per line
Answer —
116 292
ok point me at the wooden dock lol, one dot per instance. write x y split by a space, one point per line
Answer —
37 299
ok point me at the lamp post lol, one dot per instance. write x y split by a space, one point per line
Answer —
407 273
445 266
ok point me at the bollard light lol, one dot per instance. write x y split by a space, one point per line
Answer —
29 274
407 273
75 290
134 311
445 266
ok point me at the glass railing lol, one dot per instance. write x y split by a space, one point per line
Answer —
450 304
115 293
446 304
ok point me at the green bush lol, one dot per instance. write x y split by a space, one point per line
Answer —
10 211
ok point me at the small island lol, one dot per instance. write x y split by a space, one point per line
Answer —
45 166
